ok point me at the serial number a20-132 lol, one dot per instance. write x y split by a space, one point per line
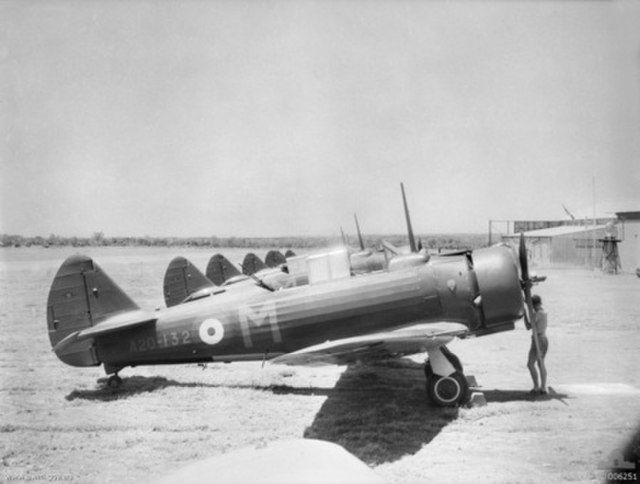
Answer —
163 339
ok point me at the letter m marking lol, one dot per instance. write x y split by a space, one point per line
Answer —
257 316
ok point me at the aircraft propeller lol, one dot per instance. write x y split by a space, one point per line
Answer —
359 233
412 239
526 283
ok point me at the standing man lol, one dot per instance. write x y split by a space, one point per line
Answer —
540 318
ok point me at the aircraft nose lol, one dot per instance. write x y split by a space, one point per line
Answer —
499 285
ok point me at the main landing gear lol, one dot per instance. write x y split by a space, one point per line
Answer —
446 383
114 381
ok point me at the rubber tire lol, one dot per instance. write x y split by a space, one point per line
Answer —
114 381
448 391
428 371
453 359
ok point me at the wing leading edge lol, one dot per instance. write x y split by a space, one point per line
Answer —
389 344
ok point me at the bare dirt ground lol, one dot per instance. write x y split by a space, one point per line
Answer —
60 423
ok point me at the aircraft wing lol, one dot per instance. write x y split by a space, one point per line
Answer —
389 344
122 321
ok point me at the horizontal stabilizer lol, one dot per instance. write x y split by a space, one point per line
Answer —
181 280
120 322
406 341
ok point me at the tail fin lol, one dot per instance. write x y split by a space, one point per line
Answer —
82 296
252 264
181 280
274 258
220 270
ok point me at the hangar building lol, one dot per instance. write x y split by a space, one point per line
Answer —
572 245
629 234
581 245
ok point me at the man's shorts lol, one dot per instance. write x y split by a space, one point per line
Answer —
544 346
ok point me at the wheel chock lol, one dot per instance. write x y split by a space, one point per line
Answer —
471 381
477 400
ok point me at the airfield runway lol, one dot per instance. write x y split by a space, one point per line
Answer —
58 423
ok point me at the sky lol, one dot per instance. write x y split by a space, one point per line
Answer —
282 118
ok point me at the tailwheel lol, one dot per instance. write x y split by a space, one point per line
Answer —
114 381
448 391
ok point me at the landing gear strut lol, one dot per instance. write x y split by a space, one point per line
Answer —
446 384
114 381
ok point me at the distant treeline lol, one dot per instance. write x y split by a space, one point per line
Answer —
455 241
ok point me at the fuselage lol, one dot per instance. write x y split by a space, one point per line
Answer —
253 323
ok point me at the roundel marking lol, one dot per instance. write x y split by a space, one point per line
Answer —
211 331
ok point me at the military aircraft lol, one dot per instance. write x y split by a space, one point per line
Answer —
416 305
183 282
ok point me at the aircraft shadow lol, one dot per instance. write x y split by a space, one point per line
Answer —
380 413
135 385
130 386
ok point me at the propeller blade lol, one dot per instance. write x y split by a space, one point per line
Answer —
529 317
525 282
412 240
524 263
359 234
528 302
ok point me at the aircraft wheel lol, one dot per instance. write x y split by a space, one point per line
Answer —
114 381
448 391
428 371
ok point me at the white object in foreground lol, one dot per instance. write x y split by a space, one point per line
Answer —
297 461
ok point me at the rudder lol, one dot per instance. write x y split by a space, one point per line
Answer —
274 258
252 264
181 280
219 270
